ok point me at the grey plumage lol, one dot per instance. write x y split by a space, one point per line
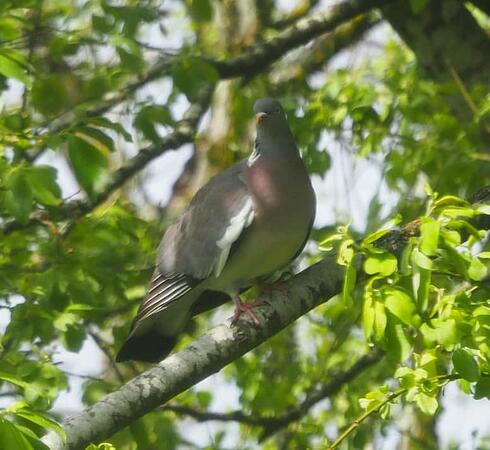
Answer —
247 222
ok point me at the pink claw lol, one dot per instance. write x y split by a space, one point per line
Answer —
245 308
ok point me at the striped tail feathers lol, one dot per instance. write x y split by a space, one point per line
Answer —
163 291
146 342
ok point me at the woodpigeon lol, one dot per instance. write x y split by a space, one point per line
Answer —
247 222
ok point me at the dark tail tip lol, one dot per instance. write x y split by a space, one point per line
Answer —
149 347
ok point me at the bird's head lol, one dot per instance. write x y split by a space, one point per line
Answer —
273 133
269 113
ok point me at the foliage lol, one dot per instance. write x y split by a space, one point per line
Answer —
84 89
431 312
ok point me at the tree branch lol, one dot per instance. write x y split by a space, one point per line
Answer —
217 348
323 49
182 134
377 407
272 424
327 390
261 55
253 60
205 356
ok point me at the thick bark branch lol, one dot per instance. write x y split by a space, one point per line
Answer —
254 59
260 56
323 50
205 356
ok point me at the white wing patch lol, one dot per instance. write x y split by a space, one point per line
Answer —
237 224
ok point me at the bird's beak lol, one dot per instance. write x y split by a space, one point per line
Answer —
259 117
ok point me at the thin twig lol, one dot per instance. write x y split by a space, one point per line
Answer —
272 424
378 406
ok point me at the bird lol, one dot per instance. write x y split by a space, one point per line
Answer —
246 223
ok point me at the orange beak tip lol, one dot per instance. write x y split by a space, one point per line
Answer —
259 117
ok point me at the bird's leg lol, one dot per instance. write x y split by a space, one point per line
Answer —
278 285
246 308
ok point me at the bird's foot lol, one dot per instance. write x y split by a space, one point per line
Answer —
245 308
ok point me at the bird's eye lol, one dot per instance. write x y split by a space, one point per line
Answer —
278 110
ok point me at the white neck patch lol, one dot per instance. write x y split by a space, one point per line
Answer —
255 155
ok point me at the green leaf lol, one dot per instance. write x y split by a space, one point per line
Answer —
451 237
204 398
11 438
477 270
421 260
465 364
64 320
326 244
49 95
103 122
428 404
13 379
451 200
401 305
349 282
368 316
316 161
458 212
482 388
73 337
102 446
386 228
429 236
96 138
18 199
41 420
150 116
444 332
190 74
130 60
484 209
31 437
89 164
417 6
11 66
346 252
421 278
379 320
201 10
42 180
380 263
397 341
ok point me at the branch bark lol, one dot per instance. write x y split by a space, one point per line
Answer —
261 55
205 356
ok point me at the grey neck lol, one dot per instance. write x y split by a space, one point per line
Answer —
280 145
